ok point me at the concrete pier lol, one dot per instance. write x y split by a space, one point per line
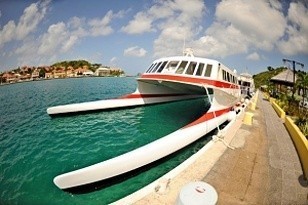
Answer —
263 167
266 170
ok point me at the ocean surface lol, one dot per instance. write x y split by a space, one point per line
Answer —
34 148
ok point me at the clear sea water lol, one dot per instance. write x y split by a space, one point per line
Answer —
34 148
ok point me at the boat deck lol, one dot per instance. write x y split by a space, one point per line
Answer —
264 167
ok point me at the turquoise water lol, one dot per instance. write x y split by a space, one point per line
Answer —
35 148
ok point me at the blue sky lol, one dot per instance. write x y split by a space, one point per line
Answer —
242 34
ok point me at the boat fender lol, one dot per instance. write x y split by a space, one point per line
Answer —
231 115
238 110
238 104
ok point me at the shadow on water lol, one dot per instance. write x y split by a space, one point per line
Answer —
190 109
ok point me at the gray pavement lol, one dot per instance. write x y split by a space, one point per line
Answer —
264 168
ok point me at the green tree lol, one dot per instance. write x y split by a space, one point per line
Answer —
305 85
42 73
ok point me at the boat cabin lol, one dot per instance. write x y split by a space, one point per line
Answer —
247 84
194 67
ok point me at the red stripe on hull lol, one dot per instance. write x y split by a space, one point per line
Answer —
130 96
208 116
186 79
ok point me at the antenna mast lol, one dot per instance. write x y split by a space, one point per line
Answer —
184 45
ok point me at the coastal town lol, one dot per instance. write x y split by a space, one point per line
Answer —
65 69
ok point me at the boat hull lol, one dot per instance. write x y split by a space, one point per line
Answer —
131 100
128 162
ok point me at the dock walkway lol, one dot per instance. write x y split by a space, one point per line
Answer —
264 167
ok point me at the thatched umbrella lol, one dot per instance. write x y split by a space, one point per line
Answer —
284 78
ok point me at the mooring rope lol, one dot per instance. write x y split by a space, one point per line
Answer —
219 136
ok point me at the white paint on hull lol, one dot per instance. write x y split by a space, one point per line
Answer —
113 103
137 158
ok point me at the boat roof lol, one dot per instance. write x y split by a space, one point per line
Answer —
247 75
188 58
193 58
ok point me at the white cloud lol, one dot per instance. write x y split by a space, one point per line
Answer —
67 45
276 4
253 56
56 41
8 32
221 40
135 51
181 22
60 37
240 26
26 55
52 41
262 28
297 32
113 60
142 23
163 14
101 27
27 24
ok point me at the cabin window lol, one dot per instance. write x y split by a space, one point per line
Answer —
200 69
150 68
162 66
172 65
191 68
228 77
224 75
181 68
246 84
208 70
156 67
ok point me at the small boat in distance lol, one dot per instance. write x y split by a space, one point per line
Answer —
167 79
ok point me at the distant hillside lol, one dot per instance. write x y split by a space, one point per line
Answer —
76 64
264 77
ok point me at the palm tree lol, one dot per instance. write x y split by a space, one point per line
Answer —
298 84
302 83
305 85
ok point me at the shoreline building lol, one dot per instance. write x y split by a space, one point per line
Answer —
105 71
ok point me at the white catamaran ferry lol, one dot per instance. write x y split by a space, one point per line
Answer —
167 79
